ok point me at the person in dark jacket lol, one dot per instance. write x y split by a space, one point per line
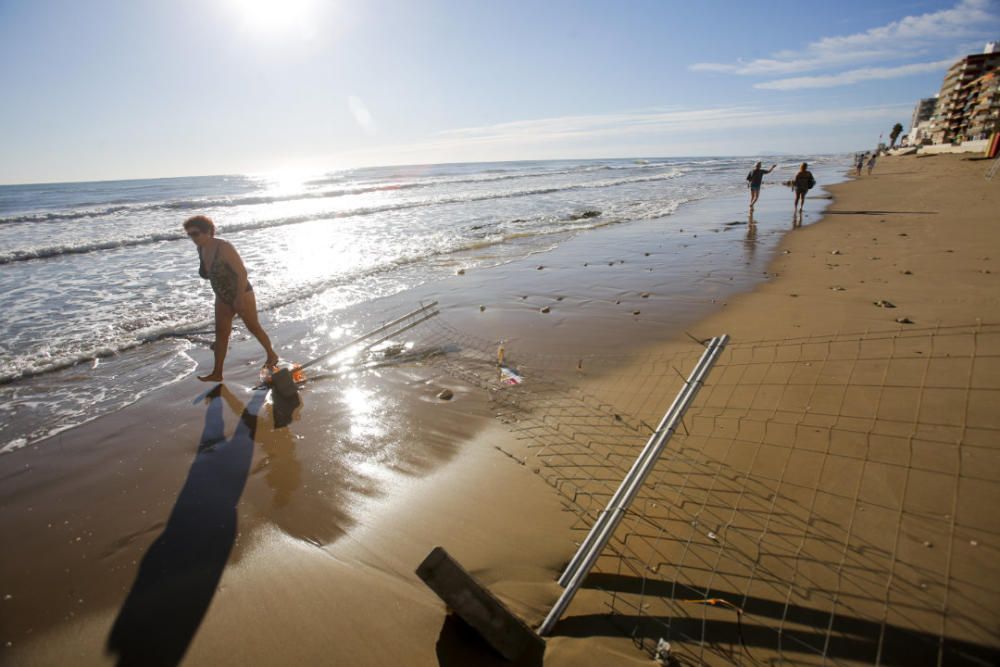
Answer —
802 183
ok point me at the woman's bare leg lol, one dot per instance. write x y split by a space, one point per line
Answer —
248 313
223 327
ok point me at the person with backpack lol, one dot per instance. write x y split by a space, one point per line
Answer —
754 180
802 183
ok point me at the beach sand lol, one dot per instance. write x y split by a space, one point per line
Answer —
844 463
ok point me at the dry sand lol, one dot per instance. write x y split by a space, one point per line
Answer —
844 463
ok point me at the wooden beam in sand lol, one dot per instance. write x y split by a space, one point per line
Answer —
506 633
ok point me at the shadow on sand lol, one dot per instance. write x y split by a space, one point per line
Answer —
181 570
459 645
850 638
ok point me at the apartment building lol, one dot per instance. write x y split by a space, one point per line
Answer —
960 94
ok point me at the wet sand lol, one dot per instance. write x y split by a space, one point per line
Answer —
190 525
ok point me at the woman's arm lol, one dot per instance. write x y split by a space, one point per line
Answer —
231 257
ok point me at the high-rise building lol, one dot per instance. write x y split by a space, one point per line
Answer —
953 118
924 110
984 111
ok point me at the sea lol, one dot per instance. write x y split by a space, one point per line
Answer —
99 286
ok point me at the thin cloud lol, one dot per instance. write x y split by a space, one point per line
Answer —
853 76
597 128
904 38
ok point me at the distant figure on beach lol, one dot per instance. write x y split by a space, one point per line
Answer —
802 184
221 264
754 179
860 164
871 163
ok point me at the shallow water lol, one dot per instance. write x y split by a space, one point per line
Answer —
99 284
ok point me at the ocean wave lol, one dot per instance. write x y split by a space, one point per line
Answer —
134 333
97 246
259 199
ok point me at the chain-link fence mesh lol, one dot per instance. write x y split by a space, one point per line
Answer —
828 499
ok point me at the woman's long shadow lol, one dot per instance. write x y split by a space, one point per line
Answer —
181 571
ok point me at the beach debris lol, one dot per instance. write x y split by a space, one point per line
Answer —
904 320
585 264
882 303
611 263
579 364
545 309
793 295
560 298
391 350
907 272
478 608
645 295
617 301
540 267
974 543
928 544
635 312
510 377
646 254
786 252
982 271
713 536
461 272
446 394
874 258
662 654
835 252
481 308
837 288
903 234
500 352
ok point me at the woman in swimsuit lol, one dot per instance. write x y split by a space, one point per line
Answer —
221 264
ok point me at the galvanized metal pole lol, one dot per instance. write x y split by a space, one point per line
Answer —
369 334
606 529
640 462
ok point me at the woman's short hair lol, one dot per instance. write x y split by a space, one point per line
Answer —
803 167
201 222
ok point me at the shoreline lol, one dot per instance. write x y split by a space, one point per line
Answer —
517 559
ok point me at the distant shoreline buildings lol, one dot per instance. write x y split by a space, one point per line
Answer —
967 107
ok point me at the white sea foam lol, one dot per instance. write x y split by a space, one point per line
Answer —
103 271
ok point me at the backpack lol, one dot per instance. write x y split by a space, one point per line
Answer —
812 181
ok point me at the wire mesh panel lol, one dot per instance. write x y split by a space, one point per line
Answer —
829 500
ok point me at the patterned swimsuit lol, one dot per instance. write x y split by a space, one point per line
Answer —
223 278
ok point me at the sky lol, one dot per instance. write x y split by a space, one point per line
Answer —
106 89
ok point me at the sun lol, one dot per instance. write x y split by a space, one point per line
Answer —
273 15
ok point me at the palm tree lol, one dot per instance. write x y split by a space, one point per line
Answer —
897 129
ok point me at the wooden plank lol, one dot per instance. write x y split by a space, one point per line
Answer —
474 604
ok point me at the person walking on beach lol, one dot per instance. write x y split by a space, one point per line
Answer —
754 179
871 162
802 184
860 164
222 265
